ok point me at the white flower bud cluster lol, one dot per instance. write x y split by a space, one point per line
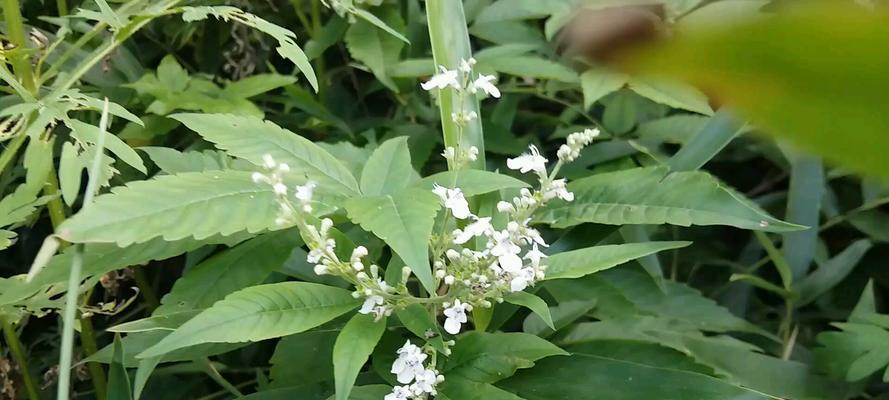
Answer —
419 381
367 280
463 81
460 157
274 176
576 142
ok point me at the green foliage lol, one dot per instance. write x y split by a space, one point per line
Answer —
654 196
277 213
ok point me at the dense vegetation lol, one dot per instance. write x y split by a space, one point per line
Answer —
406 199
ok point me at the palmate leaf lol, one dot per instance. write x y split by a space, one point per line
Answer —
251 138
652 196
404 221
374 47
197 204
258 313
287 46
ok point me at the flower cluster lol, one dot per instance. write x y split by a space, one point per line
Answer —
502 260
576 141
418 380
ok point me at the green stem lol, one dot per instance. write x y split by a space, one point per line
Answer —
146 290
218 378
55 206
62 7
10 151
18 353
21 63
450 44
88 342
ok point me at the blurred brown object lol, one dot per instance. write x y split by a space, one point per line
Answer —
602 34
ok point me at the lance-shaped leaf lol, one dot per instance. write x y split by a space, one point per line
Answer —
353 346
577 263
198 204
404 221
388 170
259 313
489 357
251 138
652 196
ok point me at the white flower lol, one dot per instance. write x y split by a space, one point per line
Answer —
480 227
557 188
456 316
321 269
425 382
280 188
449 153
484 83
532 161
442 80
409 363
505 207
268 161
472 155
522 279
511 263
535 255
453 200
370 303
305 192
466 65
399 393
503 244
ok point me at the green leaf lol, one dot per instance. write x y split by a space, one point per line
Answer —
90 134
578 263
257 313
304 157
6 238
831 272
353 347
531 67
707 142
563 314
313 348
673 94
579 375
375 48
489 357
196 204
256 85
118 380
388 170
143 372
598 82
163 321
464 389
472 181
404 221
416 319
651 196
807 188
777 259
533 303
247 264
173 161
367 16
792 91
287 46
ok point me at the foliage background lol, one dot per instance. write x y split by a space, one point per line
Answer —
659 313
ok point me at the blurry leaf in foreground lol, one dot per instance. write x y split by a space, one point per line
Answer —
815 76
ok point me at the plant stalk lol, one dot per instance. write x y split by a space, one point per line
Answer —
18 353
21 63
450 44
